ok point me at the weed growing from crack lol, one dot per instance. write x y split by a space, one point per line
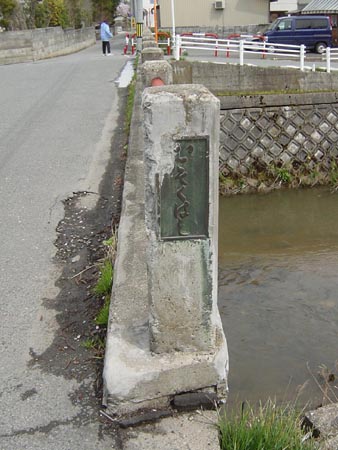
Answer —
334 174
103 315
104 283
284 175
94 343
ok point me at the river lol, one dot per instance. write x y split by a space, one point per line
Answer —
278 292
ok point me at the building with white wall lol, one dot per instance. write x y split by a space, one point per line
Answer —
213 13
281 7
148 15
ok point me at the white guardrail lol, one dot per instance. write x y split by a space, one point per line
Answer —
240 46
330 55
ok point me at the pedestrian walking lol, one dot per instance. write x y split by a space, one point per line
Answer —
105 37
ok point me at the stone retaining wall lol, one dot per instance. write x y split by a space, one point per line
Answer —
31 45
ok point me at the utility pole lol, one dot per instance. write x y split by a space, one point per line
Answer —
173 36
139 24
155 21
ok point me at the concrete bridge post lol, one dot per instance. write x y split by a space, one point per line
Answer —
165 344
181 210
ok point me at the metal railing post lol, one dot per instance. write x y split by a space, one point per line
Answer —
241 53
328 60
177 47
302 57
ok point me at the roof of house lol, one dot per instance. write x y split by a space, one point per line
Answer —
321 6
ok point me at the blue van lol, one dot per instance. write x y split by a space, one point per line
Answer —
315 32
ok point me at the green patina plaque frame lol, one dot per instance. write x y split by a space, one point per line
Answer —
184 194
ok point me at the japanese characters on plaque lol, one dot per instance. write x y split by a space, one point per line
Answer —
184 194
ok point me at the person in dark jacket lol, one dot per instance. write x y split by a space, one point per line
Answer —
105 37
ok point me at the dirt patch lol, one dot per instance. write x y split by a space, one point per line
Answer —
88 221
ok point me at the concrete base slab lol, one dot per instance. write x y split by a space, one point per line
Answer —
136 379
195 430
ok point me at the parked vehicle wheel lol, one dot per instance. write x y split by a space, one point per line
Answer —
320 47
271 49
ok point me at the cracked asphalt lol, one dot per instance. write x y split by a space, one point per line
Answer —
61 165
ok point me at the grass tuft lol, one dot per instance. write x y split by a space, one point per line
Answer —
103 315
104 283
93 343
270 427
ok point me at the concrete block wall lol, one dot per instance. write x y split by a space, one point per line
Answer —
16 46
293 130
49 42
233 78
222 31
28 45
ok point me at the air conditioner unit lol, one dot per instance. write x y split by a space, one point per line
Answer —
219 4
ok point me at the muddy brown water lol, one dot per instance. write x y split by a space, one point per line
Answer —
278 292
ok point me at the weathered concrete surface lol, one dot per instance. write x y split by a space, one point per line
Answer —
182 272
147 34
156 69
283 99
151 54
195 431
220 78
149 43
41 43
324 422
330 444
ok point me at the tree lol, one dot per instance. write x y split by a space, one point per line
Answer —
56 13
46 13
30 8
123 10
77 14
104 8
7 9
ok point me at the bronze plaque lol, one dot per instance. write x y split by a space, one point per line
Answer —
184 195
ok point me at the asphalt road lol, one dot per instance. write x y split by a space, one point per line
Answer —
57 117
